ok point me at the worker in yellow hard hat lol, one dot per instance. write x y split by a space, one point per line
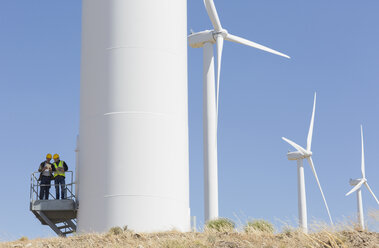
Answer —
45 177
59 168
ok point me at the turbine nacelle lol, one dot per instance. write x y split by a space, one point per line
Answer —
354 182
296 155
197 40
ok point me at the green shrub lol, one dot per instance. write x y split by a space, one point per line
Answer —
116 230
260 226
23 238
220 225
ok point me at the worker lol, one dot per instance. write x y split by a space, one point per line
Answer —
59 168
45 177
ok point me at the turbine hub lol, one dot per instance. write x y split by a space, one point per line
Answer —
222 32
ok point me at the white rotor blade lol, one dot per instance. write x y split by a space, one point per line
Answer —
220 45
372 193
296 146
319 185
363 156
310 132
212 13
243 41
356 187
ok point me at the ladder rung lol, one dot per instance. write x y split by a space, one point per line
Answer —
62 227
68 232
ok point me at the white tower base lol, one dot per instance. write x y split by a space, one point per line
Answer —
361 219
210 136
302 200
134 116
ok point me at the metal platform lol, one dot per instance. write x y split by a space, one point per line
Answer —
60 215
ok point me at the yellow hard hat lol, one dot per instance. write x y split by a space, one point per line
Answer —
56 156
48 156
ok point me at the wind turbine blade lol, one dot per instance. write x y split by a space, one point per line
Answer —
356 187
363 156
245 42
296 146
310 132
212 13
220 45
319 185
372 193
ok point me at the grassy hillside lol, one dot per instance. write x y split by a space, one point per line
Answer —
256 234
209 239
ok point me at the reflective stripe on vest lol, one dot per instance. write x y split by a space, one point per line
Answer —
56 172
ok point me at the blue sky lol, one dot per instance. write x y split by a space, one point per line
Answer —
334 50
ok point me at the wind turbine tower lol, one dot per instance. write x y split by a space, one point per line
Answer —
357 183
206 39
299 156
133 143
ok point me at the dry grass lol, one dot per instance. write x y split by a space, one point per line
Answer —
289 238
343 235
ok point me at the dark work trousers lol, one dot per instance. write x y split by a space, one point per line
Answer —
45 188
60 180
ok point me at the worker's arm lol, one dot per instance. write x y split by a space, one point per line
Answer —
41 167
65 166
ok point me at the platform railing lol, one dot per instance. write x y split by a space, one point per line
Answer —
35 186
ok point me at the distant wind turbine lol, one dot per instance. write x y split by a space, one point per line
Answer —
357 183
206 39
299 155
